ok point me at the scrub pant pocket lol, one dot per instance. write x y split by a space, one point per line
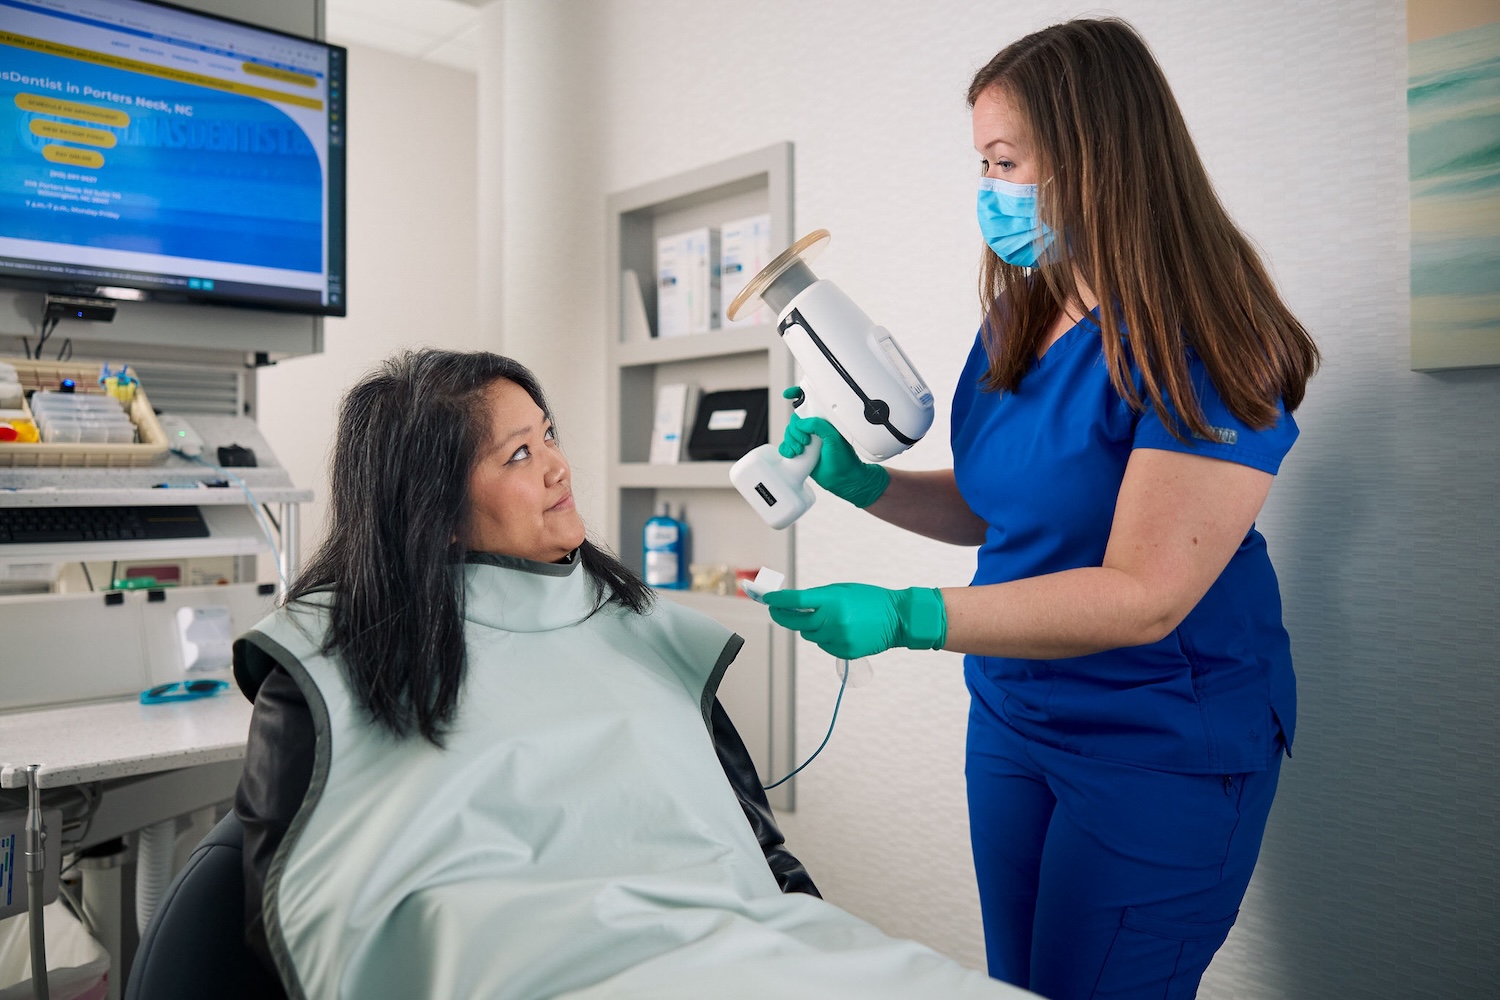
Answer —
1106 881
1146 946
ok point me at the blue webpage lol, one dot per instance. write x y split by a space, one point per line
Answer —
98 157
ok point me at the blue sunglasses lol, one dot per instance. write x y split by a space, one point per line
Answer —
182 691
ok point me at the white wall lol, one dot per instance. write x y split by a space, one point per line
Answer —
411 239
1380 861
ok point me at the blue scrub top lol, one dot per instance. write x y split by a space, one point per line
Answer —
1043 466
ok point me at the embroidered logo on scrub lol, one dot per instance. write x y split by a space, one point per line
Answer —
1223 435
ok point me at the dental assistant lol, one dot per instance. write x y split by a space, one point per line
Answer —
1123 412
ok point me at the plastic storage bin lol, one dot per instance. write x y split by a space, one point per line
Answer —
92 447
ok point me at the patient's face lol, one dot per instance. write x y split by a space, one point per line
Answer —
520 492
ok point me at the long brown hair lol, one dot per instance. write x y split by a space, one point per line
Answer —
1138 217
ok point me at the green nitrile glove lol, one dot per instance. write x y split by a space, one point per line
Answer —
850 620
839 470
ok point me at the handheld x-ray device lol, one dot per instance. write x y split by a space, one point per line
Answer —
854 376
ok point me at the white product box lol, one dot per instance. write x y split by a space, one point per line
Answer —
670 426
687 282
745 248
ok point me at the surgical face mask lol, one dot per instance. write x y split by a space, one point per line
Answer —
1008 219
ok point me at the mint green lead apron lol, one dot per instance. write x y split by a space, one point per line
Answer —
576 837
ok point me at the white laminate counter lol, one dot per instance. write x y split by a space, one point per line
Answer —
116 739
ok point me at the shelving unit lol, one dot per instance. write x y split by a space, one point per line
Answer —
82 646
758 691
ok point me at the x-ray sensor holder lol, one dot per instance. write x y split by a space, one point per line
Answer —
855 376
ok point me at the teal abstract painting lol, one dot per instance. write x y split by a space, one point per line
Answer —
1453 107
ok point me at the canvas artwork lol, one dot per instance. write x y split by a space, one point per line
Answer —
1453 108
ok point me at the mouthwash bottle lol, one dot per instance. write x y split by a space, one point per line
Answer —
665 543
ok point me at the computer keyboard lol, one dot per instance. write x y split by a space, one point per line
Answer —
97 524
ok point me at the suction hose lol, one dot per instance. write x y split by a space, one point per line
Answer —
153 869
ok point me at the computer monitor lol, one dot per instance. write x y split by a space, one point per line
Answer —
152 152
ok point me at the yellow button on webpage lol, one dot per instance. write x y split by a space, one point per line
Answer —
72 109
73 156
284 75
72 133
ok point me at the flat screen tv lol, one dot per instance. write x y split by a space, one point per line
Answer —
152 152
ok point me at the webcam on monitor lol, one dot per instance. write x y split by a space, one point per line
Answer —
77 307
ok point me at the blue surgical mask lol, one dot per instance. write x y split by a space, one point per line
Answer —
1008 219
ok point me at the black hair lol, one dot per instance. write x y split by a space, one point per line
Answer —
408 436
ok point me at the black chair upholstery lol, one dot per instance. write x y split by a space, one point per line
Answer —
194 947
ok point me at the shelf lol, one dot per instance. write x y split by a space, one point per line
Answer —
149 496
681 476
123 551
234 531
759 692
33 486
714 344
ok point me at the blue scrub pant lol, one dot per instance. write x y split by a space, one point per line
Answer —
1101 880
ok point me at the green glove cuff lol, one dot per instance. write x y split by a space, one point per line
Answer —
925 618
873 481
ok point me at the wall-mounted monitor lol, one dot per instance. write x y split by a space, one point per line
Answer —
152 152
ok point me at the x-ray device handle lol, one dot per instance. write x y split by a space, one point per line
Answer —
778 487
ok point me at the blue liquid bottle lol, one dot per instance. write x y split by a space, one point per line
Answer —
665 544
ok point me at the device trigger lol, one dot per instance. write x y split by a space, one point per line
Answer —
799 398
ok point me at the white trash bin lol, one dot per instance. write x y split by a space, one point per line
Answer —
77 965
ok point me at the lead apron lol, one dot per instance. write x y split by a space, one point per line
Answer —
576 837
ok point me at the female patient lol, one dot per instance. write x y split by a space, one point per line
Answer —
484 763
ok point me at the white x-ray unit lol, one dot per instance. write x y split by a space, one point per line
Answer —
854 375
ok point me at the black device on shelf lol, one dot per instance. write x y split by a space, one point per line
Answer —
19 525
729 424
236 456
161 153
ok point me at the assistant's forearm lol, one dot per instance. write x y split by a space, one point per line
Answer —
928 503
1059 615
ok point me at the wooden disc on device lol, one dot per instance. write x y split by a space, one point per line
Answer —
803 250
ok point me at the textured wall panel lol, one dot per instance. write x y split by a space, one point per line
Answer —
1378 877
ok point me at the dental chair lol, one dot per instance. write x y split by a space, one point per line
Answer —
194 947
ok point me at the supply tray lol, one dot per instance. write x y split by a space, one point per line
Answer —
49 375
